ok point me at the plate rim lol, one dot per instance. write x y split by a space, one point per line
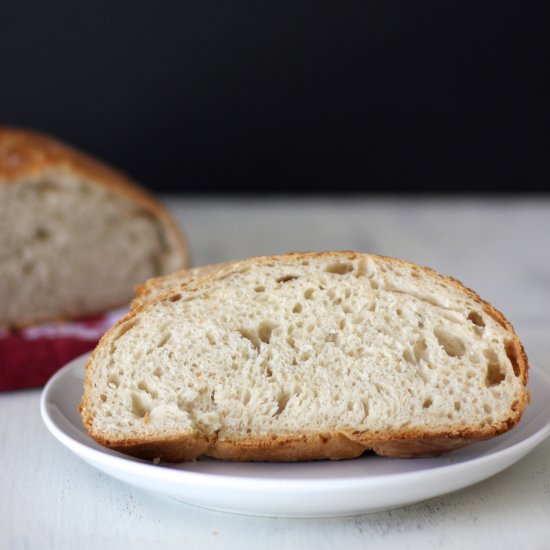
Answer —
255 483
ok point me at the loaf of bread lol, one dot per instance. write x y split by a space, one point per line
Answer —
306 356
76 236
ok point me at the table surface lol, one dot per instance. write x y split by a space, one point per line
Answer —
51 499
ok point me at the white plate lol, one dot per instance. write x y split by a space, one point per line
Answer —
307 489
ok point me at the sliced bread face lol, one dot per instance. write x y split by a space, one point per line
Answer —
306 356
75 235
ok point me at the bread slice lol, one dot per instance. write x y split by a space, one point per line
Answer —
155 286
306 356
76 236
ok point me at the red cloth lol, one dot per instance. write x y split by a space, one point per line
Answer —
29 357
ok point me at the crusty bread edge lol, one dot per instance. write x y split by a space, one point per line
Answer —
293 447
144 290
41 153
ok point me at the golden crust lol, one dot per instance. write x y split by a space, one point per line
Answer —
25 153
184 277
305 447
403 443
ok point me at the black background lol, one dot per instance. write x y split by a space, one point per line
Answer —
370 96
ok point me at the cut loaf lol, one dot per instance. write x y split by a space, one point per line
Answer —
306 356
76 236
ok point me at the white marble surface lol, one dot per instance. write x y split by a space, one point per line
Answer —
51 500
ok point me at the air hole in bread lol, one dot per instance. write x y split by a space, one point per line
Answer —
453 345
342 324
419 349
103 397
476 319
259 288
427 403
494 376
211 339
282 401
457 406
28 268
157 372
361 268
373 284
297 308
113 381
143 386
357 352
512 353
308 293
125 327
164 340
408 356
45 187
41 234
286 278
251 337
339 268
175 298
139 406
264 331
